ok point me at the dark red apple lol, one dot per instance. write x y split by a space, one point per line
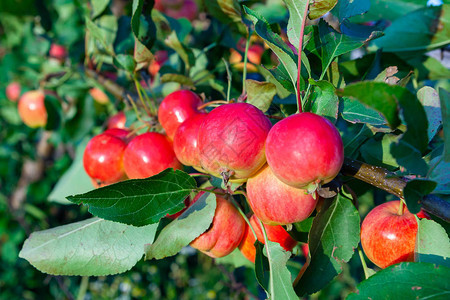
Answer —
103 159
13 91
388 237
176 108
32 109
305 150
225 233
231 139
58 51
117 121
188 10
149 154
276 203
185 141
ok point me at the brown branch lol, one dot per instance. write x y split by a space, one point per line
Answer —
116 90
389 182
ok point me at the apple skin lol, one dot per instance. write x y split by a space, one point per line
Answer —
58 51
121 133
232 138
225 232
149 154
176 108
13 91
117 121
276 203
99 96
161 57
103 158
388 238
188 10
275 234
32 109
305 150
185 141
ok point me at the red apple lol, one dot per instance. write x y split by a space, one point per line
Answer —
103 158
160 58
176 108
423 215
58 51
117 121
305 150
99 96
232 138
123 134
149 154
254 55
276 203
225 232
275 234
305 250
185 141
13 91
188 10
32 109
388 237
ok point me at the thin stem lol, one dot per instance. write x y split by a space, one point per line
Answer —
242 213
141 98
83 287
244 73
136 110
229 79
211 191
363 262
300 49
199 175
212 103
400 208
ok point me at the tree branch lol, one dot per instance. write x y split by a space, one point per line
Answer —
389 182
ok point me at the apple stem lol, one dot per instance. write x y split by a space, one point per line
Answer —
150 111
229 78
241 212
363 262
302 270
300 49
400 208
83 287
212 103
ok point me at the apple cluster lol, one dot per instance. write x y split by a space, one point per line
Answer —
282 165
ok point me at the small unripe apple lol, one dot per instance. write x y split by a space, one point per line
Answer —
231 140
117 121
103 158
176 108
13 91
99 96
305 150
225 232
58 51
388 237
32 109
149 154
185 141
276 203
275 234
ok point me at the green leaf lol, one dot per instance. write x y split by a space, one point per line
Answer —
423 29
324 101
227 11
260 94
142 55
139 202
179 78
184 52
389 9
98 6
76 173
104 30
440 174
429 98
332 240
94 247
262 267
54 115
142 24
415 190
320 7
280 282
276 43
378 152
296 10
406 281
432 244
184 229
349 8
125 62
236 259
356 112
444 97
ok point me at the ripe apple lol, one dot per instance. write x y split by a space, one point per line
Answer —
149 154
121 133
58 51
254 55
276 203
117 121
32 109
188 10
99 96
225 232
185 141
231 140
305 150
176 108
161 57
13 91
275 234
388 237
103 158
